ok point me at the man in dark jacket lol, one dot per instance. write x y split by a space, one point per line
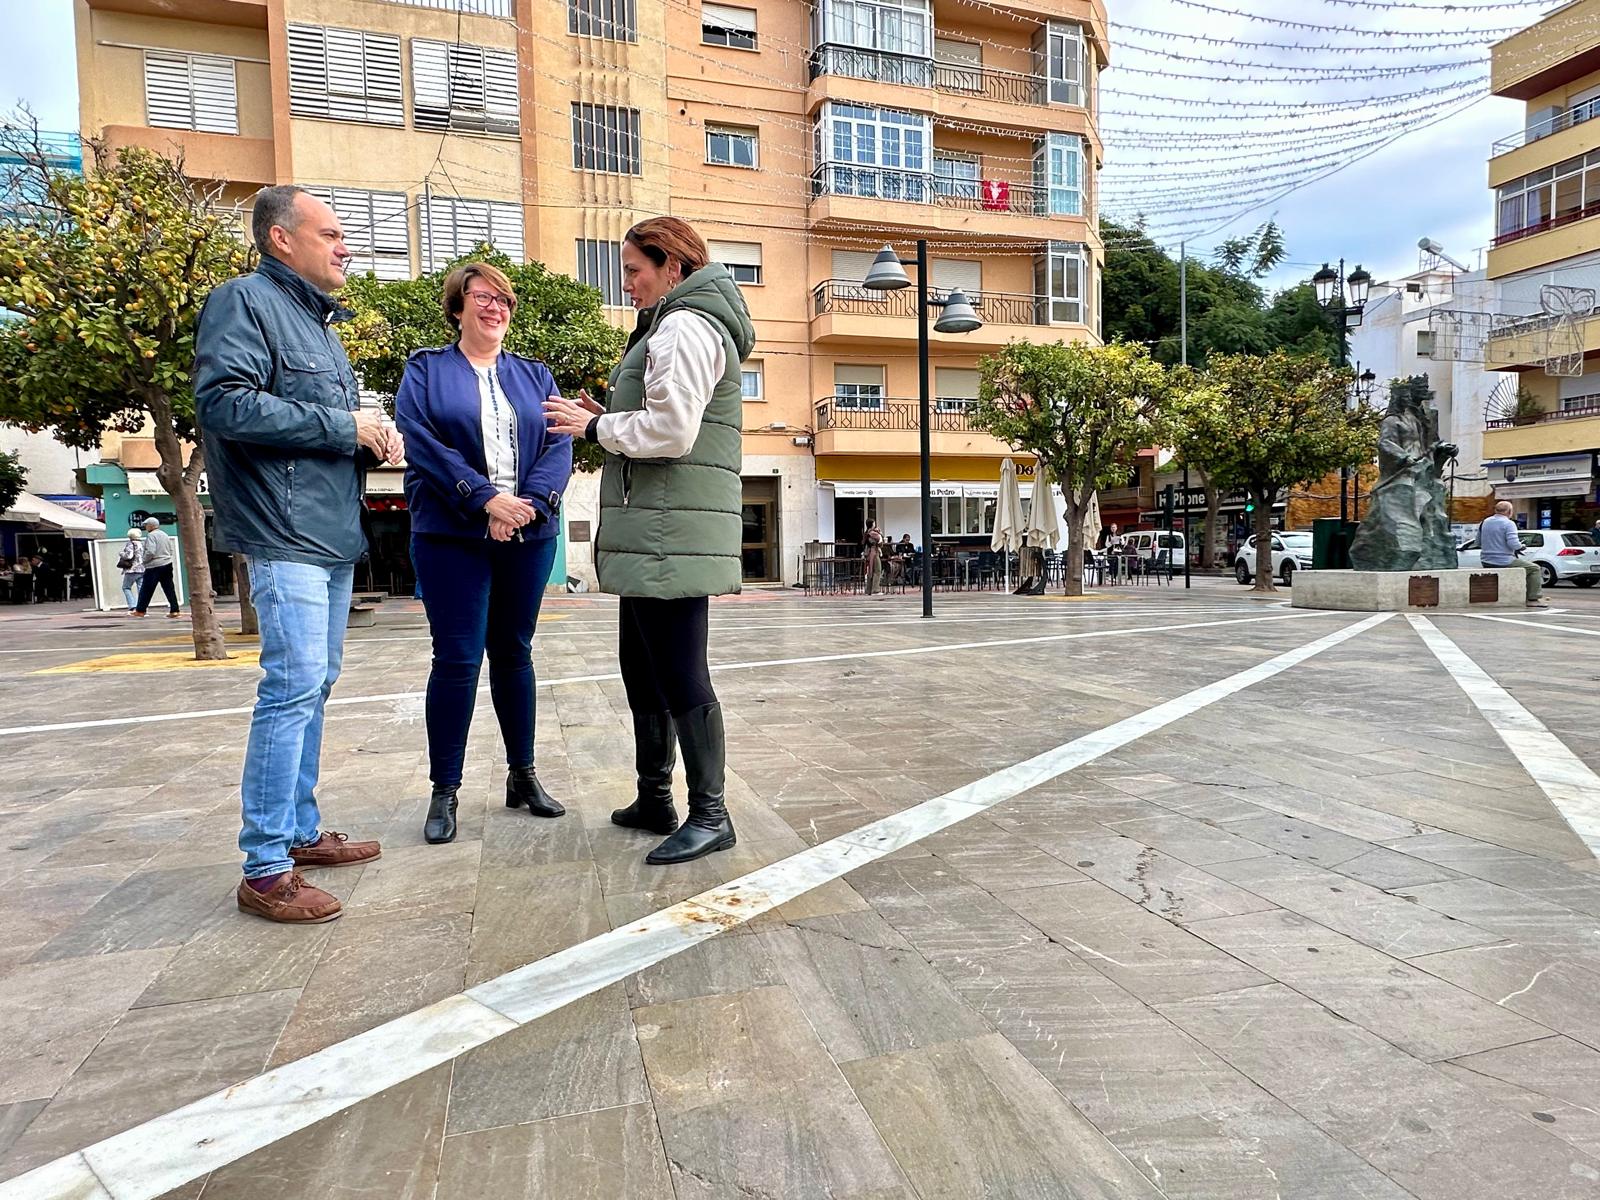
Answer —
286 447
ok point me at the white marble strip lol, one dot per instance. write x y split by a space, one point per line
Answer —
1534 624
933 648
1569 783
167 1151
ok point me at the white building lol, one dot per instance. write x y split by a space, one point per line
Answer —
52 468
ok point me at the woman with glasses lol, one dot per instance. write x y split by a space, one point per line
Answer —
484 480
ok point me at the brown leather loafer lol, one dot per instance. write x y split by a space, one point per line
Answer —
292 902
334 850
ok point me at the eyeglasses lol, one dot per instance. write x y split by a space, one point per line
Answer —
488 300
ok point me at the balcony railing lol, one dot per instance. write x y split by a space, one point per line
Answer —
893 414
1566 119
848 296
922 187
1577 408
962 79
1549 223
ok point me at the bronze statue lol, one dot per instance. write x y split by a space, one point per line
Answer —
1407 526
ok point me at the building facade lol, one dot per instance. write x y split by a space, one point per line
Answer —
798 138
1541 440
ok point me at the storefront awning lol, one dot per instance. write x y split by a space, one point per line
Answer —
144 483
34 510
900 490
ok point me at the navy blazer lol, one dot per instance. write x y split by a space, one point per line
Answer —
447 474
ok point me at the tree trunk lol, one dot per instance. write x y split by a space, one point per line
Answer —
180 482
248 624
1208 552
1077 509
1264 581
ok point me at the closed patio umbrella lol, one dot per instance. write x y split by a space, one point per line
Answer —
1044 523
1007 537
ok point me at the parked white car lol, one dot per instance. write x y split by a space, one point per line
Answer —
1149 543
1560 553
1291 552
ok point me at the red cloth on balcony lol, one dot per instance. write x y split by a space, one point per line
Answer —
996 195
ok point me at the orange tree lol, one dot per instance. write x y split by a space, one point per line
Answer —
105 273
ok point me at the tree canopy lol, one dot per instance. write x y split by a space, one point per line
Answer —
13 478
558 321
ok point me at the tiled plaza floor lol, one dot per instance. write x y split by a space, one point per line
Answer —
1317 935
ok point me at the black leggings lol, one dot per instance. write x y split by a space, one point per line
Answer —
662 651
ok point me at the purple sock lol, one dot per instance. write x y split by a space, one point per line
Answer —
267 882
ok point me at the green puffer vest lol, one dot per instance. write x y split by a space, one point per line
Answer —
671 528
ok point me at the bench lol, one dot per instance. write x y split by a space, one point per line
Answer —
362 616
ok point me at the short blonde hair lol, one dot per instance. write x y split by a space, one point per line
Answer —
455 288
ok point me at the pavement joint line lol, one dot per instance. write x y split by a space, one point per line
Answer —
1534 624
716 668
173 1149
1567 781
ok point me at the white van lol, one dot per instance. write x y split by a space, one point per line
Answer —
1148 543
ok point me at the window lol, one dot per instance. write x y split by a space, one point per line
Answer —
600 266
345 75
453 228
1566 192
752 381
377 229
468 88
858 387
724 25
743 259
609 20
1058 173
955 389
190 91
1058 278
1424 343
900 27
873 152
948 275
1061 55
606 139
955 176
732 146
960 65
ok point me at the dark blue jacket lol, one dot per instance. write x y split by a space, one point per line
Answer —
447 473
273 395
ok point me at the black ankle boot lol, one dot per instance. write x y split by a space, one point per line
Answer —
705 753
441 823
523 787
653 756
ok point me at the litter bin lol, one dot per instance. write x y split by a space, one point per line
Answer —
1330 543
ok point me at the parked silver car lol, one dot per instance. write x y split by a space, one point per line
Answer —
1560 553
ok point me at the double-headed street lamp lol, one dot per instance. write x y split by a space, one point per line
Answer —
888 275
1346 298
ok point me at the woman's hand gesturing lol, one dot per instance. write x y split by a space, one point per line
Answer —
572 417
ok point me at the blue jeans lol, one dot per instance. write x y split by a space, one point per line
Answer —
480 596
303 611
130 588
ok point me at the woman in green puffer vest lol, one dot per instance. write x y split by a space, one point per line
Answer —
670 517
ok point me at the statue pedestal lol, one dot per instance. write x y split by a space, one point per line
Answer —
1410 591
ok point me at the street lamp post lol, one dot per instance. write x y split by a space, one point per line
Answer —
888 275
1346 297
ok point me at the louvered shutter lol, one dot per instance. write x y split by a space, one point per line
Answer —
308 71
381 79
950 274
168 103
852 265
735 254
430 84
956 383
391 235
346 79
505 222
502 98
216 96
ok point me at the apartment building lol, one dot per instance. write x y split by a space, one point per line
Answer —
799 138
1545 260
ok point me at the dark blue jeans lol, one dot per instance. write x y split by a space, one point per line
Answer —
481 597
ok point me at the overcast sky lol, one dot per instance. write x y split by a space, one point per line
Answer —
1428 183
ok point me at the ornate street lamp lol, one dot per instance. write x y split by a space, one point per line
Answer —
956 316
1345 297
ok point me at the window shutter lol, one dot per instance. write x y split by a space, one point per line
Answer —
381 79
502 98
956 383
430 84
216 96
308 71
731 254
722 16
862 376
952 274
852 265
505 224
346 82
377 229
167 102
456 227
961 54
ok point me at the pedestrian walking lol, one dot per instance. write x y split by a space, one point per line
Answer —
670 518
130 561
157 560
1501 546
287 444
872 556
484 480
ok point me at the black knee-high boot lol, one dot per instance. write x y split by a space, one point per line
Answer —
653 756
705 753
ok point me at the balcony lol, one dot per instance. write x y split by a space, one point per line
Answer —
890 425
1524 342
248 13
983 207
844 311
958 79
1578 114
1544 226
223 157
1557 50
1571 431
